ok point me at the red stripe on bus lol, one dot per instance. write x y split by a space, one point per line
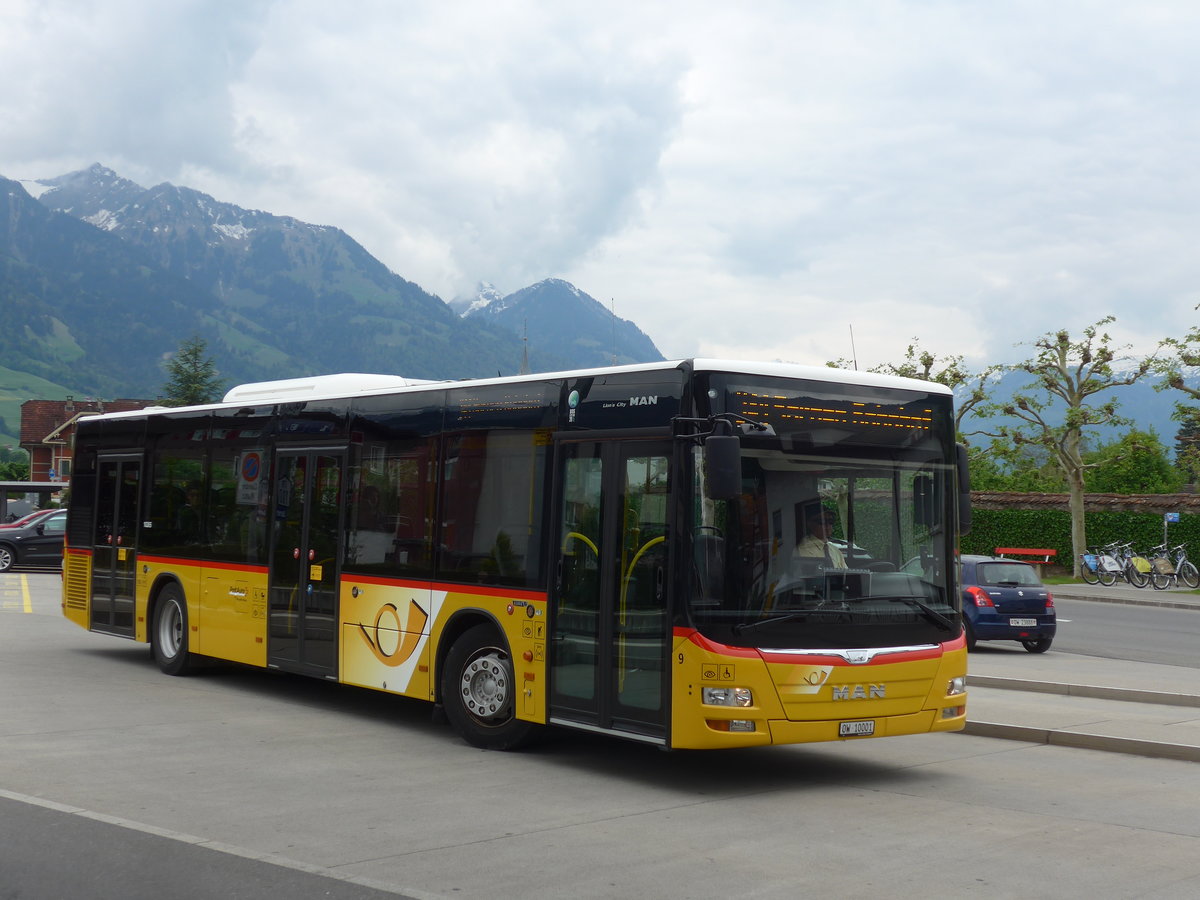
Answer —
711 646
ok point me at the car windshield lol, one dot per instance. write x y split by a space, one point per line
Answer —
1006 574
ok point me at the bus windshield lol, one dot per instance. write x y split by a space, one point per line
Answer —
842 535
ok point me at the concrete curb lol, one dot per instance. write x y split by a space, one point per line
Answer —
1096 692
1129 601
1082 741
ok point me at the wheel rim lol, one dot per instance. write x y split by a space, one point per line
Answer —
170 629
6 558
486 686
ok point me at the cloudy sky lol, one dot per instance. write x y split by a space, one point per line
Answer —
756 180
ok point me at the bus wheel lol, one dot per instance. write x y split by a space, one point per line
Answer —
169 634
479 691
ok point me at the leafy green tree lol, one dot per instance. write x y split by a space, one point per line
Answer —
192 377
1187 444
14 464
1137 463
1055 411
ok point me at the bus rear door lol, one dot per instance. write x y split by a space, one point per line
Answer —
114 543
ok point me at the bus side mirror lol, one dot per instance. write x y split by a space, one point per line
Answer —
964 491
722 467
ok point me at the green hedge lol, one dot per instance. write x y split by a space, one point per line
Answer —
1036 528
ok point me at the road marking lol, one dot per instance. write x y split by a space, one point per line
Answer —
16 596
221 847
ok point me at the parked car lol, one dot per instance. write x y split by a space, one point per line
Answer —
40 543
27 519
1005 600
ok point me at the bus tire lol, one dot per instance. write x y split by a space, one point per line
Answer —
479 691
169 633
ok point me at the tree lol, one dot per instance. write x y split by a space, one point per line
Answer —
970 388
192 377
14 464
1135 464
1055 410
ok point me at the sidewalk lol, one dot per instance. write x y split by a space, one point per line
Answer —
1081 701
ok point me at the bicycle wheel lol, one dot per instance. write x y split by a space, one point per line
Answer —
1189 575
1106 578
1160 580
1088 574
1135 577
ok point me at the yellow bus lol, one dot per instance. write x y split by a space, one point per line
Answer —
624 551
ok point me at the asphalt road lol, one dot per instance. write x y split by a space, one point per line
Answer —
1116 631
118 781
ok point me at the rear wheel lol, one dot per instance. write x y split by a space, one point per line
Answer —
169 633
1041 645
479 691
1107 578
1090 575
1160 581
1189 575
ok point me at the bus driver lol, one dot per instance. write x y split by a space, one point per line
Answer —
818 526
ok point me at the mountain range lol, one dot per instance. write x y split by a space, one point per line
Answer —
101 280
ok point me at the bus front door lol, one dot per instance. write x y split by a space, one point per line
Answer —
302 613
610 629
114 544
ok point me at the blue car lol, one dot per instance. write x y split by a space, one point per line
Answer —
1005 600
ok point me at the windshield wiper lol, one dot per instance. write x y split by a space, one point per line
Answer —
741 627
930 613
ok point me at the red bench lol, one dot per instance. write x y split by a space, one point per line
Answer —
1046 554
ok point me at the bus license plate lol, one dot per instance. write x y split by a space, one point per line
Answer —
856 729
1022 623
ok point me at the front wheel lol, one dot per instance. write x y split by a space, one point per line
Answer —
169 633
479 691
7 558
1041 645
1189 575
1090 575
1160 581
1135 576
1108 579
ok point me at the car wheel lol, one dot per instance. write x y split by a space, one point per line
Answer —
169 634
7 558
1041 645
969 633
479 691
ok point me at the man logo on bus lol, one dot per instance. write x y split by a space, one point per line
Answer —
870 692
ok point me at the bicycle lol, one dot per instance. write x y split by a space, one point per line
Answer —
1135 568
1167 572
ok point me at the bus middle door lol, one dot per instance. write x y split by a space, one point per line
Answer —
306 521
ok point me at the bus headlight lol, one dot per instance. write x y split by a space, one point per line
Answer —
722 696
958 685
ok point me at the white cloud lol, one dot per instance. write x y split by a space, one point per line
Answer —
746 180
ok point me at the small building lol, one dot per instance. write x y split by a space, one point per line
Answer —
48 430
